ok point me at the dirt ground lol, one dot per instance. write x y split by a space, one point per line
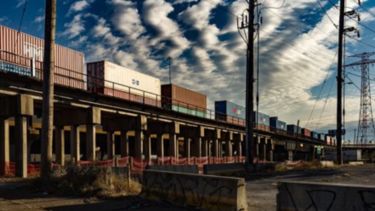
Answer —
261 192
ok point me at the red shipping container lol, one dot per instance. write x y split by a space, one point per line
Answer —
19 49
306 132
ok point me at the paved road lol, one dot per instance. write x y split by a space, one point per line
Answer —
261 193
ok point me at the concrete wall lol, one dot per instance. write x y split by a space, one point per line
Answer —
320 196
194 190
192 169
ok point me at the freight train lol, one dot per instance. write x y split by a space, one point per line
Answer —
22 54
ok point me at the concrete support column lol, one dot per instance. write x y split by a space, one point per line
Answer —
229 148
264 148
197 147
215 146
139 138
160 146
91 142
290 155
205 148
75 151
187 147
60 145
270 148
147 145
4 146
124 144
238 148
110 145
173 147
21 146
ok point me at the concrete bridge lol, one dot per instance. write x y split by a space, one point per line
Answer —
90 126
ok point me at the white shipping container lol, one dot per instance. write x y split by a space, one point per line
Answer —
124 79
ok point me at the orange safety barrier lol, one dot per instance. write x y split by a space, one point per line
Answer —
123 162
104 163
138 165
164 161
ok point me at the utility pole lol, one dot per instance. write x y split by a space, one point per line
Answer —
170 70
339 83
247 23
48 88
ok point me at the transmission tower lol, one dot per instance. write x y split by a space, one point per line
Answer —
366 126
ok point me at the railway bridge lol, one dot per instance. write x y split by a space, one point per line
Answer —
92 127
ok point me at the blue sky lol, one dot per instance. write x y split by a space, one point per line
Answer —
297 47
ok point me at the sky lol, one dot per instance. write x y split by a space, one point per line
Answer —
297 47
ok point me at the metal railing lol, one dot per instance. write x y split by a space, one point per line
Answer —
98 85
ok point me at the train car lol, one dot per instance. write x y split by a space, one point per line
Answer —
293 130
277 125
306 132
314 135
230 112
321 137
184 100
110 79
22 54
262 121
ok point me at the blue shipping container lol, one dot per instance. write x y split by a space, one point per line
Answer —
263 119
293 129
275 123
314 135
230 109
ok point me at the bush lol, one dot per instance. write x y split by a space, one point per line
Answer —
91 181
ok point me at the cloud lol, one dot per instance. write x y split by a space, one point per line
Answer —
78 6
74 28
39 19
20 3
156 15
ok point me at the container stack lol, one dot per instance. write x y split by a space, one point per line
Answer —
184 100
23 54
293 130
263 121
306 132
107 78
230 112
277 125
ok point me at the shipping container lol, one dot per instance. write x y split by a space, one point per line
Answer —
321 136
262 119
22 53
306 132
230 119
230 109
293 130
314 135
277 124
189 111
182 97
329 140
107 78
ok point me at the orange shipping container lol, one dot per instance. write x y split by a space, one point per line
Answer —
176 95
19 49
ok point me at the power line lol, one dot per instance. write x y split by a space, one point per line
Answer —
325 11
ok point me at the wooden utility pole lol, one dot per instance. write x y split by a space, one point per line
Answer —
250 86
340 81
48 88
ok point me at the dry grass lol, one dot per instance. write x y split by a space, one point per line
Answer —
298 165
91 181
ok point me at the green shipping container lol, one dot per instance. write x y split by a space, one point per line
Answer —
189 111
